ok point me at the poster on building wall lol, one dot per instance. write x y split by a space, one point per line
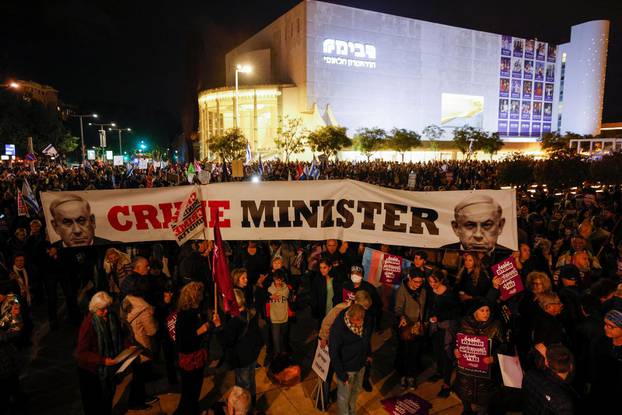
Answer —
552 53
527 91
504 108
506 64
539 72
535 129
536 113
548 111
529 48
503 127
513 127
517 67
528 69
550 72
548 92
518 46
546 128
516 88
514 109
524 128
504 88
538 90
506 45
525 110
540 51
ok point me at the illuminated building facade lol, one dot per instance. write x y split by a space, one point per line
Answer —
334 65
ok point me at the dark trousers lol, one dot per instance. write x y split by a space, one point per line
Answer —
191 382
279 332
137 385
408 357
444 364
96 395
51 283
168 352
9 388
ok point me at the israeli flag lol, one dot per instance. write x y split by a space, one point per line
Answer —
260 167
314 172
49 150
249 156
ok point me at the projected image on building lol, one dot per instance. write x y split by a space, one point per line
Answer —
460 110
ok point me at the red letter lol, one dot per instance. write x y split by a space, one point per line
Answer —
146 213
113 218
216 211
167 213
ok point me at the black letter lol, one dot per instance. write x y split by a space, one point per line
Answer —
348 217
327 213
310 215
390 218
284 221
265 207
425 216
368 209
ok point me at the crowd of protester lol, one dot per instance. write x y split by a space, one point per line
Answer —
158 299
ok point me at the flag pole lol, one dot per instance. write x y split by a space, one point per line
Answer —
212 266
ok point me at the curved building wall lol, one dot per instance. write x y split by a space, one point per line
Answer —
581 104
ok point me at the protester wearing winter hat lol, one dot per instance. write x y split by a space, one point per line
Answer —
357 283
472 389
606 363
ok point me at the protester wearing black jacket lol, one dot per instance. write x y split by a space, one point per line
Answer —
350 349
242 337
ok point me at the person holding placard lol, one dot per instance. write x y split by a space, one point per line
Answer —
473 387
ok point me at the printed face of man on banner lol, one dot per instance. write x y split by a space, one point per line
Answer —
73 221
478 222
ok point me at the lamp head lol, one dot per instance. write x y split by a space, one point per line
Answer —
244 68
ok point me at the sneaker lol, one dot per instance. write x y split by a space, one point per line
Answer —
411 383
444 392
403 382
150 400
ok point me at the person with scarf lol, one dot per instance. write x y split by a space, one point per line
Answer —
410 304
100 340
474 388
355 284
350 350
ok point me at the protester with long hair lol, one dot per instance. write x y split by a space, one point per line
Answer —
189 331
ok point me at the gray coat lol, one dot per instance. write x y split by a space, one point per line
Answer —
405 304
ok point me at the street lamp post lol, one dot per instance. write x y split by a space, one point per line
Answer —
239 69
102 132
119 130
82 132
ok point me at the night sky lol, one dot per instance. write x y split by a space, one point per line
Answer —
140 63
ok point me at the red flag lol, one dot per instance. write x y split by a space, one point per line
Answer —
221 275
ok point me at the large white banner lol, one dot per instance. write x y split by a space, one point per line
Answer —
301 210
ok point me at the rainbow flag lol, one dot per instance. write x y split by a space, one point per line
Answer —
382 268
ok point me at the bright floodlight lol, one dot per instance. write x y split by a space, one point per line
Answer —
129 129
113 124
95 115
14 85
255 179
245 68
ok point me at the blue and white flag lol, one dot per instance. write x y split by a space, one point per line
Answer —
249 156
260 167
314 171
29 197
49 150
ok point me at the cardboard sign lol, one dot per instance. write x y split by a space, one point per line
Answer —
407 404
142 164
347 295
511 283
237 168
321 362
511 371
117 161
472 350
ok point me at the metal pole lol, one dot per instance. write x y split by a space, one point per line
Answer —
120 148
236 98
82 140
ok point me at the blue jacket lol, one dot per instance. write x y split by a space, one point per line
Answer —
349 352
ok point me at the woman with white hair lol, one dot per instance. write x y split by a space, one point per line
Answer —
100 339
